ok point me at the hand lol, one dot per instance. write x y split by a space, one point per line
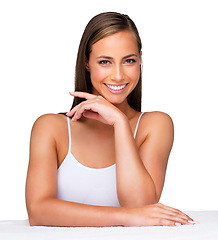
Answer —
157 215
95 107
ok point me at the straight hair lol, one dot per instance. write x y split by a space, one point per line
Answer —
100 26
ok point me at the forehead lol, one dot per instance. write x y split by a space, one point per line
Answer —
118 43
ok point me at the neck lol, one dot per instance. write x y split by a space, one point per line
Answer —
126 109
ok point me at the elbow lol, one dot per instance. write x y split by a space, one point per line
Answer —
32 222
148 199
152 199
140 202
140 199
41 213
34 215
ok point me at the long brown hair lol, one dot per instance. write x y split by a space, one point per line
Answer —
100 26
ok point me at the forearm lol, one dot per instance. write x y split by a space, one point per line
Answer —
135 186
59 213
56 212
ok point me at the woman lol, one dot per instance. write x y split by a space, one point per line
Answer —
104 163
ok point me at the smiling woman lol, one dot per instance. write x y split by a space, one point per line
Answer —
99 27
104 163
114 66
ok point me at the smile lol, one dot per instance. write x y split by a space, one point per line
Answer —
116 88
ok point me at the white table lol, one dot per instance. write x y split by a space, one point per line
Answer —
207 229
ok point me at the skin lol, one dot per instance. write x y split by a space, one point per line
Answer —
104 120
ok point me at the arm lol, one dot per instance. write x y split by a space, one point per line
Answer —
41 187
41 192
141 172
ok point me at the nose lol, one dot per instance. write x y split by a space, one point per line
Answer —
117 73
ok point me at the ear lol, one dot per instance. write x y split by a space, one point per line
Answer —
87 65
141 57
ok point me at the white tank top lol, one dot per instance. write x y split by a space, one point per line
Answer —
81 184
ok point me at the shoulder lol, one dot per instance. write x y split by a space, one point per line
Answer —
49 119
157 123
49 123
156 118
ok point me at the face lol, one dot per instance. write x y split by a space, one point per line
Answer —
114 66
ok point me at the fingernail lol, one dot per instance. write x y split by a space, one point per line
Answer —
178 224
192 222
74 118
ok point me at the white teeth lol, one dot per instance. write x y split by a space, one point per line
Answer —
116 87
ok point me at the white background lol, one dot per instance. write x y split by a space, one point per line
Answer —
38 47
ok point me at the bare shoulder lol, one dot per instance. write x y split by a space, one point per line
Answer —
156 123
48 127
156 118
49 122
47 133
49 119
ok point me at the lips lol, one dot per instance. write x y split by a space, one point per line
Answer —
116 87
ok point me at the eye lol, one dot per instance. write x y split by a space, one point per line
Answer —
130 61
104 62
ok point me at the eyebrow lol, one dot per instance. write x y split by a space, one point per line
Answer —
108 57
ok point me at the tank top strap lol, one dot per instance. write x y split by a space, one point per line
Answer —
138 124
69 134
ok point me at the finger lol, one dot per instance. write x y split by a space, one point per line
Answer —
91 114
86 106
179 217
172 219
166 222
75 109
172 214
82 95
162 221
176 211
72 111
185 216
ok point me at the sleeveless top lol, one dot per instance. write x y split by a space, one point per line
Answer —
82 184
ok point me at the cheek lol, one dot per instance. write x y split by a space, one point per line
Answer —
97 75
134 73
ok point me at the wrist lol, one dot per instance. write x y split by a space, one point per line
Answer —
121 120
122 216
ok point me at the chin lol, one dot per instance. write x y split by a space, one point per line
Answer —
115 101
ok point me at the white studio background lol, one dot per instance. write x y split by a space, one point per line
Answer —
38 47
